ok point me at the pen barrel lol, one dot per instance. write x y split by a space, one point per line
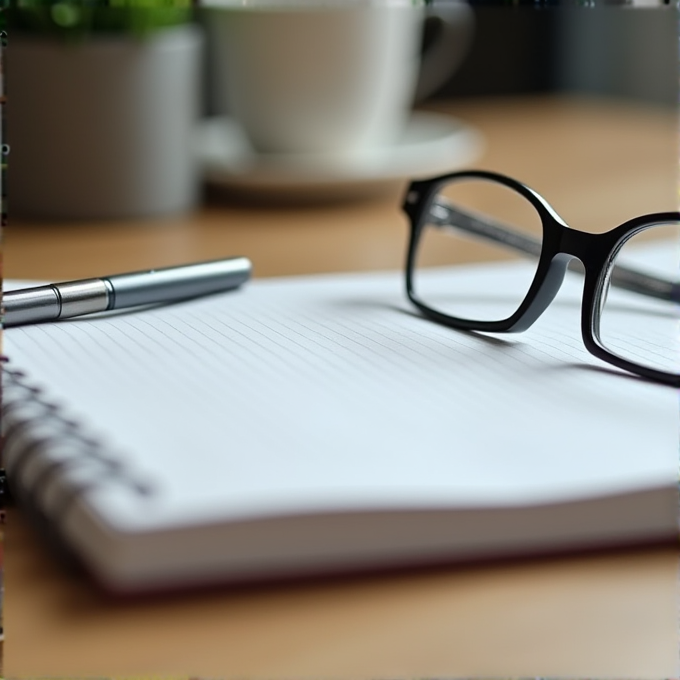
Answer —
30 305
177 283
83 297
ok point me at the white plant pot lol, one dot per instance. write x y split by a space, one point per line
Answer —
103 129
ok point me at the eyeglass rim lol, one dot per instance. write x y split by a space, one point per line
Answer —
551 267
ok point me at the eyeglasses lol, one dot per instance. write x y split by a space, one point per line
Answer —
630 309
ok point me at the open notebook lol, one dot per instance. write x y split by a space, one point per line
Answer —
316 424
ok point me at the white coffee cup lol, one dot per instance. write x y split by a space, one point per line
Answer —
331 77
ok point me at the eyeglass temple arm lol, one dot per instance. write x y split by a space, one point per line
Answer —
443 214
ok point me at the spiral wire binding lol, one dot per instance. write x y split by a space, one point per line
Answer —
42 446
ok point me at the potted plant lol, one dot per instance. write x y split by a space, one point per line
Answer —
102 101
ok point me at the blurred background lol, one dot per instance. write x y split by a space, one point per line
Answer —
608 51
63 99
612 51
532 78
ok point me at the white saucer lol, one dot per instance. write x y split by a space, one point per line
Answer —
432 144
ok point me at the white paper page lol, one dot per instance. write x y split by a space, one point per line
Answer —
331 393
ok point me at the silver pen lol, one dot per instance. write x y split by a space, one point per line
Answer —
75 298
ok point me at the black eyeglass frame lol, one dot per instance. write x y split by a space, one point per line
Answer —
559 246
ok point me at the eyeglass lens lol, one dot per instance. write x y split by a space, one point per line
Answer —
457 231
637 327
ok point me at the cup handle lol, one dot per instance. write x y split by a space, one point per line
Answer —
453 22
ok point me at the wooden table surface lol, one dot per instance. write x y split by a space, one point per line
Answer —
612 614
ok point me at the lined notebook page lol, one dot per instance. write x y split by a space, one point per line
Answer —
330 393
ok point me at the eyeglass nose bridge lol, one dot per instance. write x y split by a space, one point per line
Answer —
568 246
551 281
590 249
